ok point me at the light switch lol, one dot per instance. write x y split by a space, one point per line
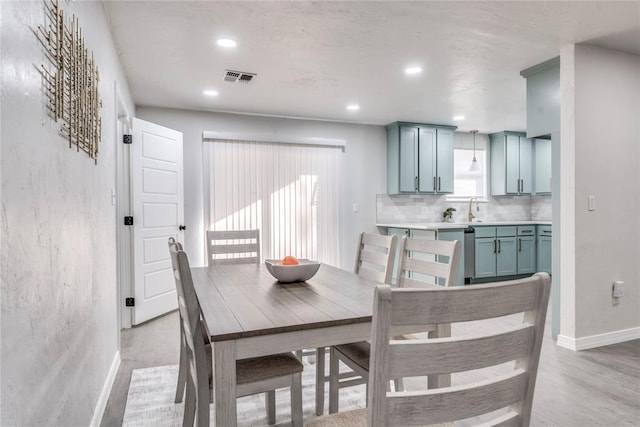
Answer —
591 203
356 208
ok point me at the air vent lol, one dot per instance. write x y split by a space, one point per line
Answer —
238 77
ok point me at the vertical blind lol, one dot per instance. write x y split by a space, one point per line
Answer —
289 192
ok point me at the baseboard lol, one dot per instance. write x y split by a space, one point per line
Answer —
593 341
101 405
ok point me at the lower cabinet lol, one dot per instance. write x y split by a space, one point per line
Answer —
496 253
544 248
526 249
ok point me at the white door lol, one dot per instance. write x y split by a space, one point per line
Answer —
158 213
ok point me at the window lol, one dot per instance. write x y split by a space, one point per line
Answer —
287 191
466 183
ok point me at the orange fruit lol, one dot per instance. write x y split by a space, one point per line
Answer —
289 260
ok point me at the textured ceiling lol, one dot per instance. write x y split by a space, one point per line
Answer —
314 58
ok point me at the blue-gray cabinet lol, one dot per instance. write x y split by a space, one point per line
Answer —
544 240
526 249
419 158
495 251
511 164
542 166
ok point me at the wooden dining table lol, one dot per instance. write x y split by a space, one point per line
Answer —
248 313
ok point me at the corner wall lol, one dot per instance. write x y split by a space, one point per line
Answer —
603 131
364 175
59 324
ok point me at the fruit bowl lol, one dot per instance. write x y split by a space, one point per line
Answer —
305 270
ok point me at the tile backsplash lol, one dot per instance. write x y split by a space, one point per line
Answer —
393 209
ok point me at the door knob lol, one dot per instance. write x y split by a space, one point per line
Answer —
182 227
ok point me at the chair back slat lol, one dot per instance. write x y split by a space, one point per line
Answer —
428 261
376 257
473 303
521 343
446 355
441 405
235 247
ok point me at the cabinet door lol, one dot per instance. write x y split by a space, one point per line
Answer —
544 254
512 164
444 161
485 257
427 160
526 159
542 168
526 255
408 159
506 258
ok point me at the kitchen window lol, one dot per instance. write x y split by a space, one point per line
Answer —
466 183
287 191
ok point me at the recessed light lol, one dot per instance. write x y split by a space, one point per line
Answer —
413 70
226 43
353 107
458 118
210 93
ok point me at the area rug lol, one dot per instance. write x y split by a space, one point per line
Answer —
152 390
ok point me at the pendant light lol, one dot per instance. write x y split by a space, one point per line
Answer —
474 163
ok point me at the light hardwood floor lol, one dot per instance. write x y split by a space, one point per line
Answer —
599 387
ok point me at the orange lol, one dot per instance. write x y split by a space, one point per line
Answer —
289 260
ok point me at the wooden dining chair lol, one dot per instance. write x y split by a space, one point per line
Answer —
497 369
253 376
375 259
233 247
433 261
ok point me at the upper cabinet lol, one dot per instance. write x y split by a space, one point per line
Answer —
419 158
542 166
511 164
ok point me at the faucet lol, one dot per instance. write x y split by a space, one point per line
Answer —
471 215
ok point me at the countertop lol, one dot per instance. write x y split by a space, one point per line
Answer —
458 225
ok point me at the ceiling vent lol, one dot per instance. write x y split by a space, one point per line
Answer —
238 77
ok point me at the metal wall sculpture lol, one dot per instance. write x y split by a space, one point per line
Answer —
71 81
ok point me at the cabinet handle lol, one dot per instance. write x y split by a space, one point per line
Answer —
415 183
519 245
495 246
439 184
434 184
499 246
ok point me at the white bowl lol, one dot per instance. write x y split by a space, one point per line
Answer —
292 273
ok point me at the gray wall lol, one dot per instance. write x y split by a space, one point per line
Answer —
364 175
600 150
60 333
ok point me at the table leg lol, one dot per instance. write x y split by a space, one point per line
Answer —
224 383
320 355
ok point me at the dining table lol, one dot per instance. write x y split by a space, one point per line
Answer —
248 313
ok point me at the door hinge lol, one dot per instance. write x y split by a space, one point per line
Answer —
130 302
128 220
127 138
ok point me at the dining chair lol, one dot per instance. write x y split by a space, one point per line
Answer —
233 247
496 367
255 375
433 261
375 259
